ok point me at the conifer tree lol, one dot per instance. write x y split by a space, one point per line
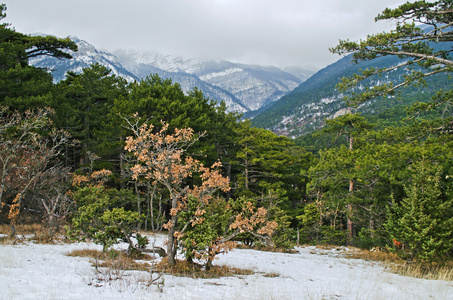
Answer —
84 105
408 40
349 125
23 86
421 226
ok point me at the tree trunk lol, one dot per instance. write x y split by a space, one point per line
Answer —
351 188
13 229
171 249
150 205
208 265
350 225
137 192
228 193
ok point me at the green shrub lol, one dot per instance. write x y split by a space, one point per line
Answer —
101 220
368 238
331 236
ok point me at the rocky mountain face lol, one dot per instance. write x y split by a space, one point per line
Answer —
254 86
173 68
243 88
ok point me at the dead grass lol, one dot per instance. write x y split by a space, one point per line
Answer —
122 263
35 232
378 256
271 275
114 259
95 254
118 260
266 248
98 254
430 271
183 268
394 264
22 229
7 240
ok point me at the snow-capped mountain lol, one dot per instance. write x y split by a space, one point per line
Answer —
86 55
243 88
255 86
173 68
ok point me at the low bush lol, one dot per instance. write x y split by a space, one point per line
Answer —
184 268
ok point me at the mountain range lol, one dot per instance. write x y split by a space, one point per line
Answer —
291 101
243 88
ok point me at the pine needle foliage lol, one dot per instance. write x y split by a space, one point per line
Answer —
421 225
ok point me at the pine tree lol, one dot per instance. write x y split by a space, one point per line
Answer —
421 226
23 86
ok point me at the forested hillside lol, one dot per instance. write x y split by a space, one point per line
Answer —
106 157
305 109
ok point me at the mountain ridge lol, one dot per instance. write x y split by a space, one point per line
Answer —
254 86
306 107
242 87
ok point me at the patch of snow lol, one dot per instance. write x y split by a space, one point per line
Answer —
328 100
35 271
221 74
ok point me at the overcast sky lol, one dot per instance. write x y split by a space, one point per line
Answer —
270 32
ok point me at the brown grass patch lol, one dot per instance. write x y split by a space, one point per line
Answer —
118 260
38 233
22 229
91 253
114 259
43 238
7 240
430 271
378 256
271 275
183 268
122 263
98 254
394 264
5 229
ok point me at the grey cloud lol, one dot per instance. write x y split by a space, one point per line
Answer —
285 32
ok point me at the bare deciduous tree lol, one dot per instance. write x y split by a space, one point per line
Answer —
29 149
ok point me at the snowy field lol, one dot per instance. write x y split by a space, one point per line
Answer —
35 271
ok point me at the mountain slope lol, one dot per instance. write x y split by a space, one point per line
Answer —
142 68
83 58
253 86
246 81
307 106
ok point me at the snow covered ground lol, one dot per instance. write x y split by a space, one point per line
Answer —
35 271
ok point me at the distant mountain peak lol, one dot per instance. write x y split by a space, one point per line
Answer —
249 87
242 87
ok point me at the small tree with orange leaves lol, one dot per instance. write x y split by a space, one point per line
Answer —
254 221
161 160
